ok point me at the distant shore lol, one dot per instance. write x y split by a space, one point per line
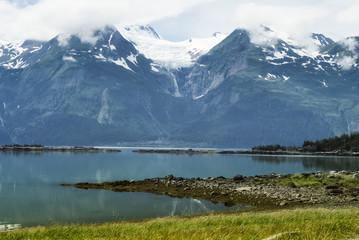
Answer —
260 152
40 148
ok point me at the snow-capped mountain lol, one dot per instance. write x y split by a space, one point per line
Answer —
106 45
132 87
321 40
10 52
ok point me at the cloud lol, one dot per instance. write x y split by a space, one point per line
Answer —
348 15
350 43
45 19
285 18
178 19
347 62
336 19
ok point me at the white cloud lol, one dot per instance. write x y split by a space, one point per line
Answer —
350 43
348 14
178 19
296 20
63 39
333 18
47 18
284 17
88 37
347 62
262 37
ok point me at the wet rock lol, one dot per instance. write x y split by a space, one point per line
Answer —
354 192
305 175
292 185
169 177
238 178
332 187
243 189
220 178
272 176
356 175
318 174
331 174
214 193
336 191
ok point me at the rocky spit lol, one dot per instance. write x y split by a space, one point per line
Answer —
266 191
40 148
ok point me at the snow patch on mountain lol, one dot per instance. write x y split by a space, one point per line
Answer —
35 49
281 48
12 49
270 77
69 59
171 55
154 67
132 58
16 64
286 78
121 62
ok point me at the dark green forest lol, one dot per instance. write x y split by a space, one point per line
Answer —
345 142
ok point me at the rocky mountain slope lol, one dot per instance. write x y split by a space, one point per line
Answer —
131 87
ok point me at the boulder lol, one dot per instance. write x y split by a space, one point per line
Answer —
238 178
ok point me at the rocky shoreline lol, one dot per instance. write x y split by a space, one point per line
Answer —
267 191
40 148
259 152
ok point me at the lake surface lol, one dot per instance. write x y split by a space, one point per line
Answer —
30 194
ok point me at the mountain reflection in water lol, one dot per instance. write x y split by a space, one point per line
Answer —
326 163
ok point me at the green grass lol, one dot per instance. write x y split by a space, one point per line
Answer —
311 223
342 180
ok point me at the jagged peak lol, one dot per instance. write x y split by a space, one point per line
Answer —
321 40
2 42
218 34
91 36
142 30
266 28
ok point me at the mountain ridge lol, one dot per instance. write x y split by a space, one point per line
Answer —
99 88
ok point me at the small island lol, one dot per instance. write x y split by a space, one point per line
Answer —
41 148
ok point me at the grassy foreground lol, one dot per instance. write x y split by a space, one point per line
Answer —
306 223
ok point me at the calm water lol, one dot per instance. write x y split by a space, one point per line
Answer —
30 193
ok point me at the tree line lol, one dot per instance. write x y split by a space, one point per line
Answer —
345 142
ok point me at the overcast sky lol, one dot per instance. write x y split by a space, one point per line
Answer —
177 19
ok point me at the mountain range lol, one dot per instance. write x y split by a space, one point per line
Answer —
131 87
